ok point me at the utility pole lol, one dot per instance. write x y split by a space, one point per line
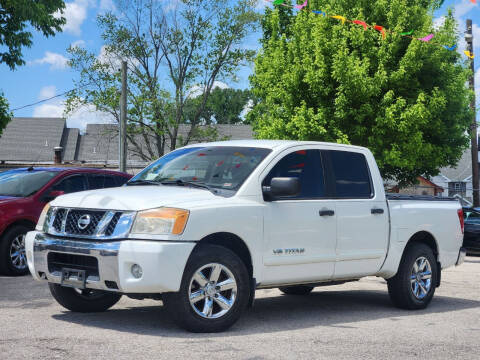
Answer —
474 135
122 148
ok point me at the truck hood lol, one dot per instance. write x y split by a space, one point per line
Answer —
133 198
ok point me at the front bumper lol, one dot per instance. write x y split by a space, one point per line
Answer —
162 262
461 256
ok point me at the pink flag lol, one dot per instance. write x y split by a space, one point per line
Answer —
427 38
473 1
300 7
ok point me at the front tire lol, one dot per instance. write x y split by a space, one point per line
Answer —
13 259
214 291
296 290
83 301
414 284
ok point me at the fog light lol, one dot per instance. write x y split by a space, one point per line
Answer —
137 271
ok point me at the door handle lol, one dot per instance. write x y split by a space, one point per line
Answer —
326 212
377 211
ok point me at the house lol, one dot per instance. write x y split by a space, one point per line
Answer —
457 180
424 187
33 141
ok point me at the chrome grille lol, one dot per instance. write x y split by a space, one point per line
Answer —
112 224
87 223
57 221
73 217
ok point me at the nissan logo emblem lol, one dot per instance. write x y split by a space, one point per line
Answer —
83 222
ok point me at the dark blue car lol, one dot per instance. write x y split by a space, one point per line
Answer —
471 239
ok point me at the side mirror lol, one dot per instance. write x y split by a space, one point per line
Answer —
282 186
52 195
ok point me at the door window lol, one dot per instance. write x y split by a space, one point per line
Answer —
350 175
70 184
101 181
307 167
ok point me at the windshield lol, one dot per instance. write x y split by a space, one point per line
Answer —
219 167
23 183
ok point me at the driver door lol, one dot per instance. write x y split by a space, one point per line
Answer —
300 231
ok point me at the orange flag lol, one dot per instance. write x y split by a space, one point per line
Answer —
473 1
382 30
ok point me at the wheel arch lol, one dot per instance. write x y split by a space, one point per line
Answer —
232 242
425 237
20 222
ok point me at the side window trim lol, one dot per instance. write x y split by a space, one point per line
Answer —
331 180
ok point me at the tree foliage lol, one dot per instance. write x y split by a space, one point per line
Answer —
405 100
17 17
225 106
175 53
5 115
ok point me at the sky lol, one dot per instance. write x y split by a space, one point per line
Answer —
46 73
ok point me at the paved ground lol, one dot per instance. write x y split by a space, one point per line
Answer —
353 320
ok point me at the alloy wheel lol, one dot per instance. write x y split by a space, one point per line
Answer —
421 277
18 256
212 291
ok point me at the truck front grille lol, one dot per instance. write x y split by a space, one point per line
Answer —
86 223
74 225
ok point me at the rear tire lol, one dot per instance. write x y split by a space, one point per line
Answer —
201 305
414 284
13 259
83 301
296 290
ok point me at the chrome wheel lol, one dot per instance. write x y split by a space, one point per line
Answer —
212 291
421 278
18 256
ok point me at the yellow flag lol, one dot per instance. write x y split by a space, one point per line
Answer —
342 18
469 54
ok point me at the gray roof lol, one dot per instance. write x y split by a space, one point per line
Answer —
31 139
463 169
100 141
70 144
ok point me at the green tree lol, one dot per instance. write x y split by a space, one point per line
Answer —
17 17
319 79
5 115
175 53
225 106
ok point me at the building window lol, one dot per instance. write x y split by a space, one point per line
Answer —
457 188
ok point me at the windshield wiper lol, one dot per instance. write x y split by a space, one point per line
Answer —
142 182
191 183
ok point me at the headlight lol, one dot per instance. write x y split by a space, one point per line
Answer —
42 218
161 221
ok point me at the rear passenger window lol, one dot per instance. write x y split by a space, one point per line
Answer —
305 165
350 175
101 181
70 184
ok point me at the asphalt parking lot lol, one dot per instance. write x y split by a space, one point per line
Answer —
354 320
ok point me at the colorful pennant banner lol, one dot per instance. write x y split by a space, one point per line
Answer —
379 28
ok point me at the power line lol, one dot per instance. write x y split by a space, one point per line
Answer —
50 98
42 101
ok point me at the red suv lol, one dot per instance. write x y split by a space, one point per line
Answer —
23 194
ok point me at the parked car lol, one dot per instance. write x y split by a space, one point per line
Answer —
24 193
208 224
471 239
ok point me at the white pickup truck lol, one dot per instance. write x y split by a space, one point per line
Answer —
206 225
